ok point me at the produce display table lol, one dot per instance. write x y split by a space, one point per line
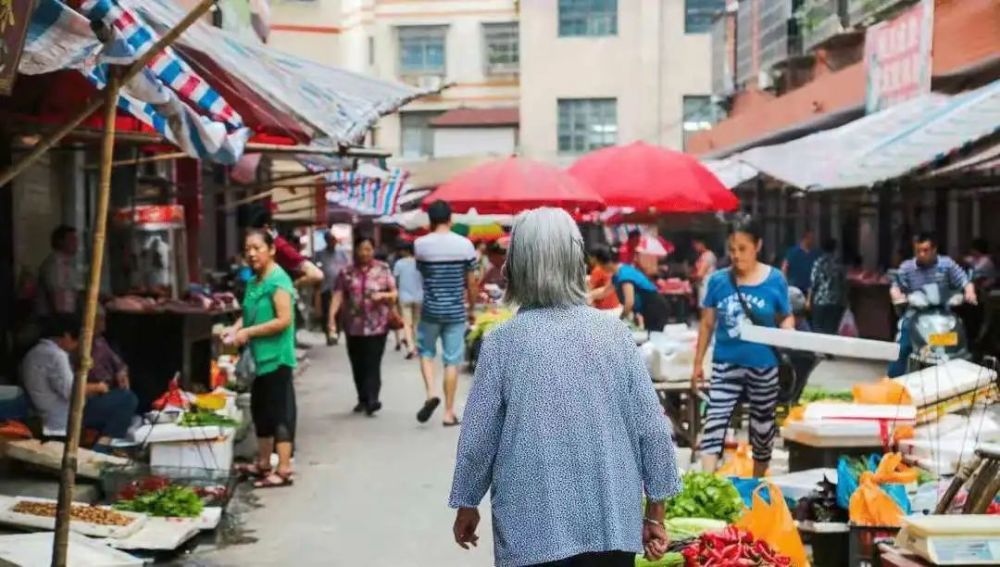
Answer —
680 401
803 456
157 345
872 309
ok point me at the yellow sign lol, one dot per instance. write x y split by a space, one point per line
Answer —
943 339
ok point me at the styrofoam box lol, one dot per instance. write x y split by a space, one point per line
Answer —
829 428
953 378
823 411
169 432
216 454
848 347
29 550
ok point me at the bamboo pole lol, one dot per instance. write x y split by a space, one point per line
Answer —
139 160
95 104
277 180
67 474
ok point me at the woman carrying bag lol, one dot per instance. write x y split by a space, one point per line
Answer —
367 292
267 326
750 291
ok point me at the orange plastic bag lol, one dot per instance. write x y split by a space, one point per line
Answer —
739 464
885 391
774 524
891 470
871 506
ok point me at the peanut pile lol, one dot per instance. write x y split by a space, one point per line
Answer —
89 514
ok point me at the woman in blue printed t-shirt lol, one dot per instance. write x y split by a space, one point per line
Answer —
741 368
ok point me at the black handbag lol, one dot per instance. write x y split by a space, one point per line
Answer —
787 378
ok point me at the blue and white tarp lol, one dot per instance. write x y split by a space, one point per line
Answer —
369 190
61 38
338 105
886 145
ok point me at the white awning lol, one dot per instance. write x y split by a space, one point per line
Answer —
883 146
731 172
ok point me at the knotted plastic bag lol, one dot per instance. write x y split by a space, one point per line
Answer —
871 506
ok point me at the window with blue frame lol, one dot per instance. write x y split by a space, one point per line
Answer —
587 124
579 18
699 14
422 50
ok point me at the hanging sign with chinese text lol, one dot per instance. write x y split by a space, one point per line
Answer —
898 57
14 18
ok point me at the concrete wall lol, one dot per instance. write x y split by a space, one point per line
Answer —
648 67
449 142
307 29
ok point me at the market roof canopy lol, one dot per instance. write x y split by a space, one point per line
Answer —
885 145
339 104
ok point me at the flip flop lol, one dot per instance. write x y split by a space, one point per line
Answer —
429 406
452 423
268 482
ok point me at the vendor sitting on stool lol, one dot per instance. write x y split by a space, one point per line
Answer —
47 376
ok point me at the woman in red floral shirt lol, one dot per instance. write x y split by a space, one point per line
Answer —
366 291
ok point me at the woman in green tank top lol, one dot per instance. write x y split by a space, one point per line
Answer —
267 325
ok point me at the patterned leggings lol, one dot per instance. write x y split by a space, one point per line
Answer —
730 384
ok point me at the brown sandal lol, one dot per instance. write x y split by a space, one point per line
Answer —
270 482
252 470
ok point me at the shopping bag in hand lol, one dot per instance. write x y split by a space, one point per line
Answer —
871 506
773 523
739 464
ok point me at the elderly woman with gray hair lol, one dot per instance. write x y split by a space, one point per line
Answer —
562 422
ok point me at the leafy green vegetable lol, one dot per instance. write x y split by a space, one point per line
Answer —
814 394
687 528
706 495
172 502
668 560
205 419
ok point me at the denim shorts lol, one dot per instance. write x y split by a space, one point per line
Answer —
452 337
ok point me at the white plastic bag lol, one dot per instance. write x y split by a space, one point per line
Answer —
847 327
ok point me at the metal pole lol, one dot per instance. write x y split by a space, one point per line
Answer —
67 474
95 104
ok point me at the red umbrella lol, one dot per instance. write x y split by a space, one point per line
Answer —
651 179
512 185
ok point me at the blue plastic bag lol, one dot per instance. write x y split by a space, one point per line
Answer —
847 483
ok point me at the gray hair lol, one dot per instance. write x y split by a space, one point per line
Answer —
545 262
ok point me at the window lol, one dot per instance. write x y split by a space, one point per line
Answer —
416 134
421 50
700 113
698 14
588 18
501 46
587 124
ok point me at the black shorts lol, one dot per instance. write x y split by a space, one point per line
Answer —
272 405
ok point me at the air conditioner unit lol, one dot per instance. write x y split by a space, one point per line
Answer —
429 82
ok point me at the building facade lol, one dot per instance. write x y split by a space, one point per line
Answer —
607 72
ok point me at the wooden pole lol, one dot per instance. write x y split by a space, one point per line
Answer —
67 474
95 104
140 160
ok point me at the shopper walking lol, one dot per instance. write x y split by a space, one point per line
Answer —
367 292
332 260
448 264
747 291
562 423
826 295
411 295
268 326
799 260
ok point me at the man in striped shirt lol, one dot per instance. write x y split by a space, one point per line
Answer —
447 263
926 267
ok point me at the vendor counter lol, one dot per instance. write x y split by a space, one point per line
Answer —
872 309
156 345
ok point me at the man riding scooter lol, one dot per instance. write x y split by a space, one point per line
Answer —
924 269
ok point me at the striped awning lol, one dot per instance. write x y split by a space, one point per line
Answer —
887 145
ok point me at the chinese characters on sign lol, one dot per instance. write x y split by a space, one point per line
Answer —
898 57
14 17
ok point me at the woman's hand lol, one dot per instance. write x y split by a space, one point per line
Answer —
466 522
654 540
697 374
241 337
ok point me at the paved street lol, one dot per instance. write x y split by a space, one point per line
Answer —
367 490
374 491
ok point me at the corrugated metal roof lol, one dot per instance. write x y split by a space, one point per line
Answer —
478 117
883 146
